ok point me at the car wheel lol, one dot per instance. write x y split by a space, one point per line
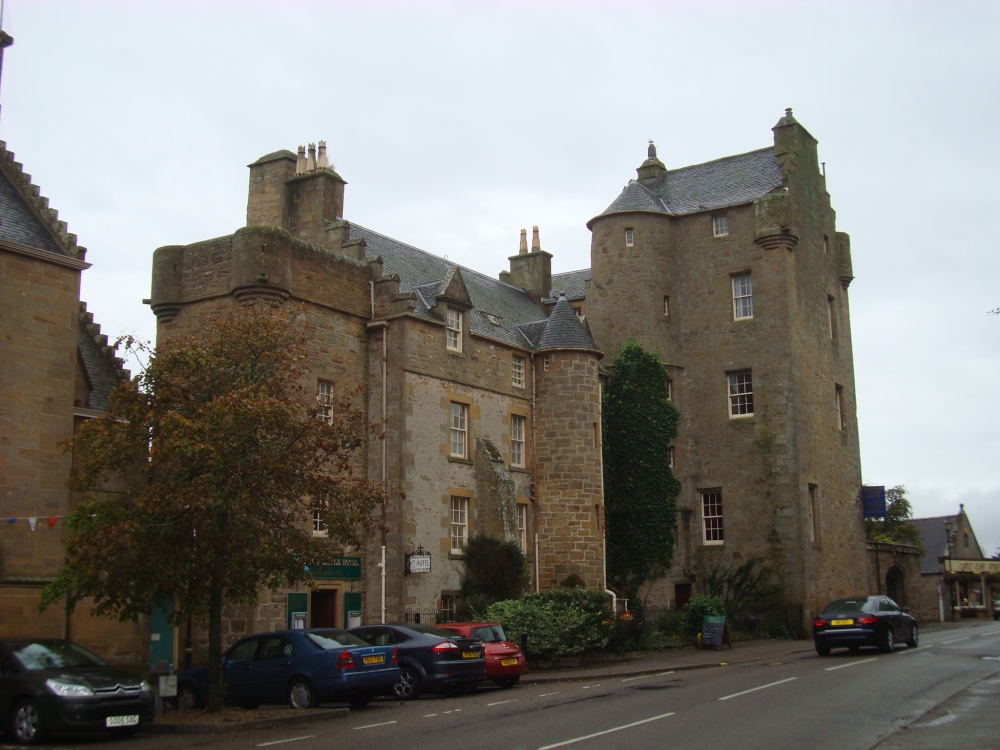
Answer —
360 701
301 694
508 682
187 698
822 650
408 686
912 641
27 724
888 641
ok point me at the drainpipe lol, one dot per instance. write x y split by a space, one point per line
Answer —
604 525
534 478
385 428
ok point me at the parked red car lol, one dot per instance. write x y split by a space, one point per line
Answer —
505 663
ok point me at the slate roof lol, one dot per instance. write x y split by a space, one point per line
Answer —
104 370
724 182
500 311
936 542
25 216
572 284
424 274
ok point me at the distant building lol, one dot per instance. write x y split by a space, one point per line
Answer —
56 370
957 579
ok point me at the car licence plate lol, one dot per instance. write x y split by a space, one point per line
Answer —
841 622
508 662
122 721
470 654
373 659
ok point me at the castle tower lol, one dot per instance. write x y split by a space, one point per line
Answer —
569 469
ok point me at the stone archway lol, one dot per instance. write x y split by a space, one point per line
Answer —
895 585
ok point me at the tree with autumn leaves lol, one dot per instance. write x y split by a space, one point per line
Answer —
200 479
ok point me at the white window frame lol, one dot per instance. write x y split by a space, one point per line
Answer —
518 445
713 531
670 456
720 226
629 237
459 524
459 430
742 296
517 369
522 526
319 528
449 607
324 397
740 393
454 331
666 306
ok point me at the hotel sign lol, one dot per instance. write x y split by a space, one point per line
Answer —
971 566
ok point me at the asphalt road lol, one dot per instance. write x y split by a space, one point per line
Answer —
946 693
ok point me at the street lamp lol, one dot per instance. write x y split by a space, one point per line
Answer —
951 592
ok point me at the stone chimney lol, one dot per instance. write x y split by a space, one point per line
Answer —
532 271
652 169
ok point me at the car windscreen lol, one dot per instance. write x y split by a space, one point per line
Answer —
431 630
53 654
489 633
331 639
852 604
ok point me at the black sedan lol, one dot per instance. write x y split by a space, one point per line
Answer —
430 658
53 685
857 621
300 667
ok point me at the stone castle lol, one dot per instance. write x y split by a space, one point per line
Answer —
487 389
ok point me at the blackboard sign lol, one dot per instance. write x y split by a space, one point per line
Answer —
714 632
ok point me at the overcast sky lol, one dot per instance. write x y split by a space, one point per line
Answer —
457 124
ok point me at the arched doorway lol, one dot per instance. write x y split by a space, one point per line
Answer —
895 585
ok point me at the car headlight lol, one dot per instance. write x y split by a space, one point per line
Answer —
68 689
145 687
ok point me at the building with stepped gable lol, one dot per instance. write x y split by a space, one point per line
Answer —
56 370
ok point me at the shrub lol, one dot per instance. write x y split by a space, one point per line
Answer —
700 606
559 623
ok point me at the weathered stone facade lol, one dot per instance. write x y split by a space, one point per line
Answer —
426 343
729 268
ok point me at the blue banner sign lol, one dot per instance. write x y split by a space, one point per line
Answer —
873 501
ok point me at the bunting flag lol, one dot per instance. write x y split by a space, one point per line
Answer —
33 520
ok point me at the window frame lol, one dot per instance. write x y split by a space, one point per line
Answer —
324 399
453 329
838 395
712 526
319 528
522 526
458 523
458 425
518 437
720 225
740 400
518 370
629 237
742 285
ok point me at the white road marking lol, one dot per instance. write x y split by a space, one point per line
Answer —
290 739
644 676
372 726
606 731
955 640
589 687
850 664
546 695
500 703
754 690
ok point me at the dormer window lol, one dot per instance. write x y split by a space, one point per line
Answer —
454 330
720 226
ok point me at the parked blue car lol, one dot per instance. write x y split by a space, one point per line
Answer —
302 668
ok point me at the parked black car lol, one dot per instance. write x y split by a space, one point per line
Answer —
300 667
430 658
856 621
53 685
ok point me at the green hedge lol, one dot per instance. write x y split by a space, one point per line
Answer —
559 623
